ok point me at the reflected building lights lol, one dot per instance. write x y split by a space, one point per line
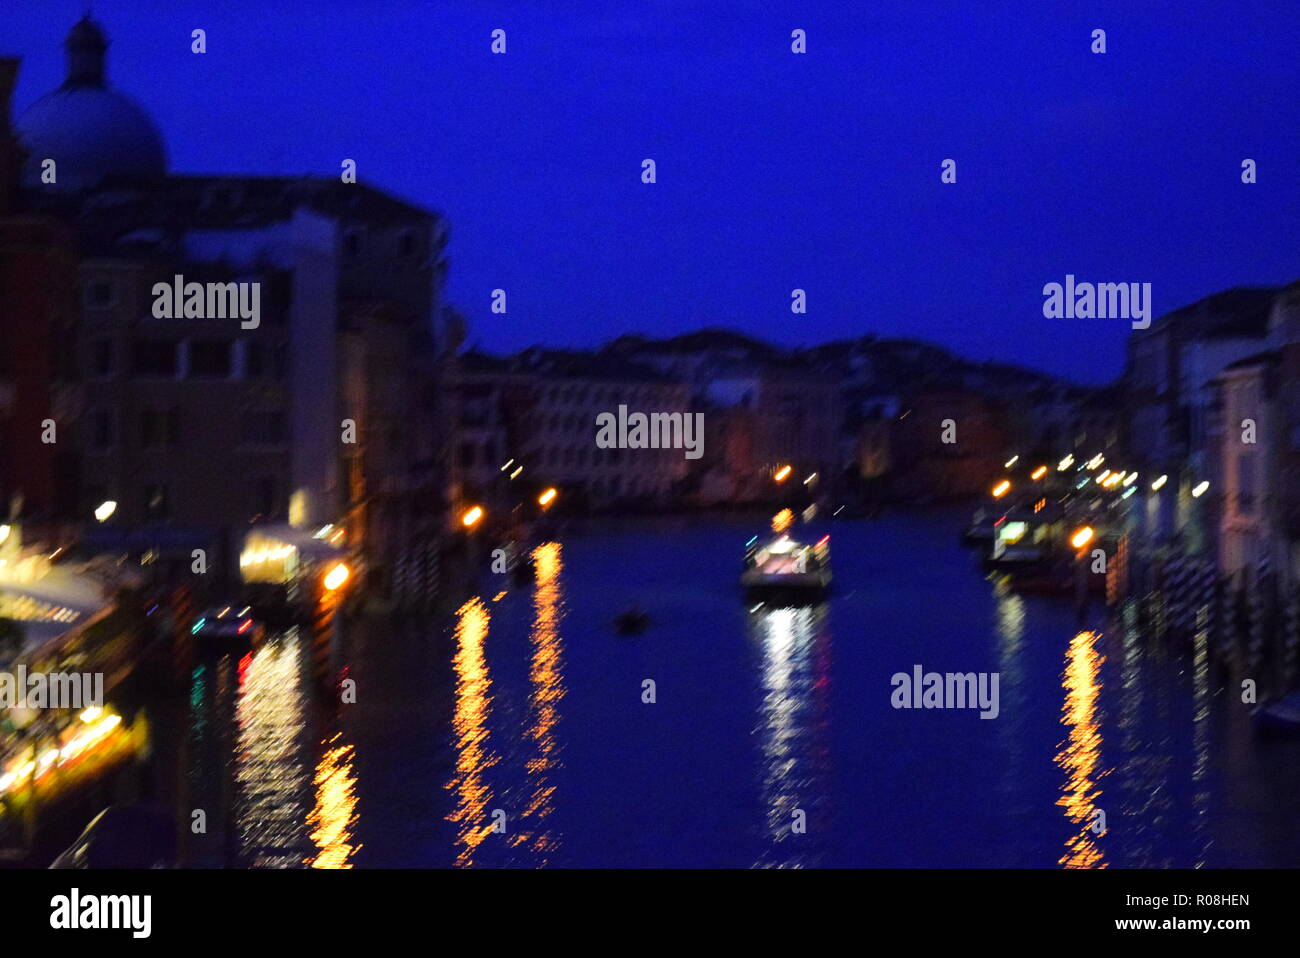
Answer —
334 818
469 726
273 784
547 689
1080 755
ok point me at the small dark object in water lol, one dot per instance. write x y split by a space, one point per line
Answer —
631 622
525 571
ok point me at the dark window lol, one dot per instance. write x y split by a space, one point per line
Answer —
281 296
103 428
266 499
264 427
280 363
160 428
154 357
101 357
255 364
99 294
210 359
406 245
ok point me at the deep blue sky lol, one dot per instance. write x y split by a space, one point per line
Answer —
775 171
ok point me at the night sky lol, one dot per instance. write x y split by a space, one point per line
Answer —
775 170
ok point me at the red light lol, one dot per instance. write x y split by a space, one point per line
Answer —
823 540
245 625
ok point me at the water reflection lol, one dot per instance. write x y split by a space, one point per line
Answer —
1201 796
1009 631
545 677
271 757
334 817
1080 755
795 683
205 757
469 727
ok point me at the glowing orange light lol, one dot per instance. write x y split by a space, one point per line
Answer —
1082 537
1038 473
336 576
782 474
547 497
1001 489
472 516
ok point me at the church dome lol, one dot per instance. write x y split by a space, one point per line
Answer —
89 130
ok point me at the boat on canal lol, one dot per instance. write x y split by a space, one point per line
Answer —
783 566
1026 538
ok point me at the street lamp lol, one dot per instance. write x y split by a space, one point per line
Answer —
336 576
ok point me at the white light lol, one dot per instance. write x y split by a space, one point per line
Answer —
105 509
1012 461
336 576
1155 486
1065 463
1200 489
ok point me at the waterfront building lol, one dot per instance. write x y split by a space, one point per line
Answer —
763 409
37 280
529 422
1257 453
329 405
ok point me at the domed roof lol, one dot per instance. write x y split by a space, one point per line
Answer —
89 130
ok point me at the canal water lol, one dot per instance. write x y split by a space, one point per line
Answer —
522 732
